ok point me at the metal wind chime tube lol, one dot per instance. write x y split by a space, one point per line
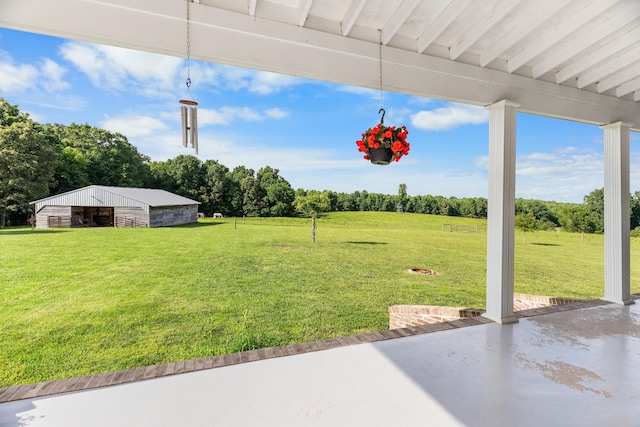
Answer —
194 128
185 125
189 113
189 110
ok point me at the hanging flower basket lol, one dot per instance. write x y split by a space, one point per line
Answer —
382 144
380 156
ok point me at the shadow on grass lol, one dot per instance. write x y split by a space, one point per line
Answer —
198 224
25 232
368 243
546 244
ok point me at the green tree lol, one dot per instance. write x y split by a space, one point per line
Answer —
525 222
595 204
218 189
237 196
27 165
161 176
402 195
389 203
376 200
313 203
346 202
10 114
448 207
333 198
71 172
538 208
188 173
635 210
362 200
110 158
278 195
468 207
578 218
252 196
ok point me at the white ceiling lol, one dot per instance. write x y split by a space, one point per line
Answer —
575 59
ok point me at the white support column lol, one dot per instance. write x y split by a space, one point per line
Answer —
501 211
617 274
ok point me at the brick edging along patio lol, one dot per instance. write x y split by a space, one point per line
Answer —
48 388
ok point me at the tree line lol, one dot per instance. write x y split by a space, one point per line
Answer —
39 160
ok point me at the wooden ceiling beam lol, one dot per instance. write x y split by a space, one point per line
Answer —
349 19
547 41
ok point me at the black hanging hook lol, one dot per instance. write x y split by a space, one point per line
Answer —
383 112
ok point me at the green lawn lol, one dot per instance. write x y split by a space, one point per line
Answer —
82 301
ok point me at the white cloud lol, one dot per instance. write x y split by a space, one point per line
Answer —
567 174
122 69
449 117
20 78
15 78
134 126
150 74
585 162
35 116
227 115
276 113
396 116
298 160
52 76
237 79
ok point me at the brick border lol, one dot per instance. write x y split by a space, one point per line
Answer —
87 382
402 316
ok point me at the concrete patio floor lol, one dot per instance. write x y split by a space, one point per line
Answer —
575 365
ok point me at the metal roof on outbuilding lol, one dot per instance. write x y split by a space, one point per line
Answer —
98 196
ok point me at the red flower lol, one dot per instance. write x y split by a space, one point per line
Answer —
387 137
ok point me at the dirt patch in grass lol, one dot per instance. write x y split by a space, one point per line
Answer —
285 247
423 271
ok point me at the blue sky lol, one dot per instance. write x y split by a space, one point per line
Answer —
307 129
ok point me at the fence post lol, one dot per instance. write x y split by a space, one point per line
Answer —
234 222
313 228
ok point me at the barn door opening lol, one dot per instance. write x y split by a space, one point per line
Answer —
97 217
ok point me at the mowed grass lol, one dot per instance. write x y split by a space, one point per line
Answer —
82 301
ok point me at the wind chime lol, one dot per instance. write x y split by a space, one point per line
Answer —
189 110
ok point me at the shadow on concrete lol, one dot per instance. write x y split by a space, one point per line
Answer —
16 414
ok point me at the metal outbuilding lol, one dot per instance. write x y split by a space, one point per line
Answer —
101 206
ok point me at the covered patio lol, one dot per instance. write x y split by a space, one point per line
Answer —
567 59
